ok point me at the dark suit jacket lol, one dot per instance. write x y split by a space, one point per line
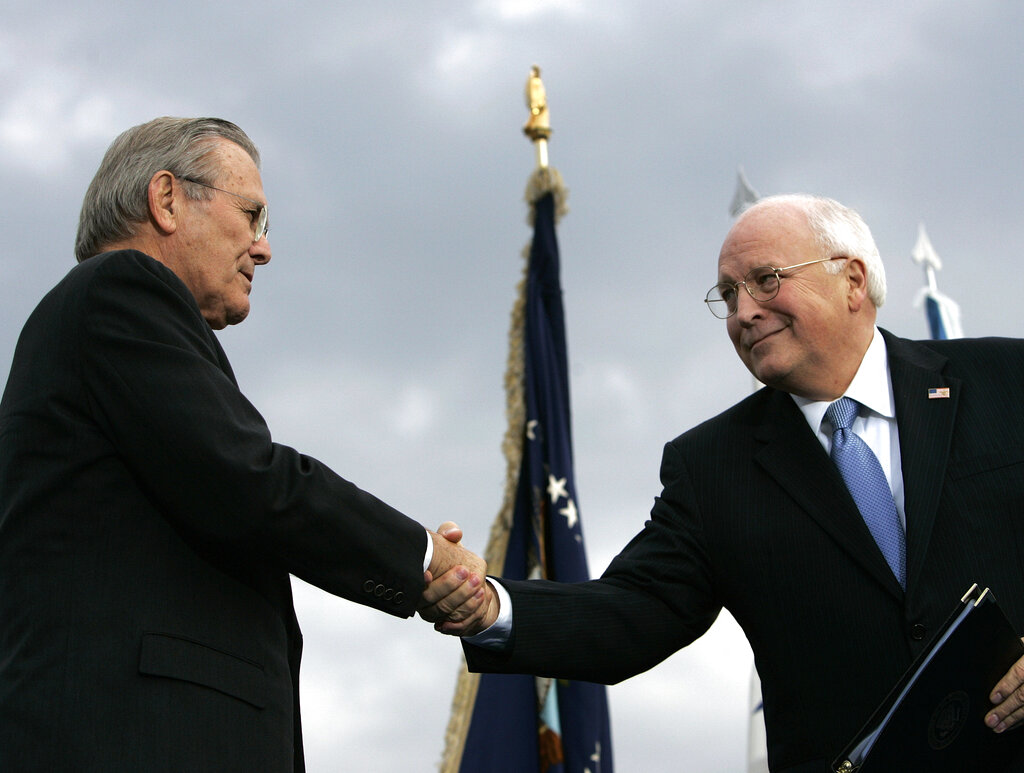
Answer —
754 517
148 526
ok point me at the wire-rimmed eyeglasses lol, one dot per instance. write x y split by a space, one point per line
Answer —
260 216
762 283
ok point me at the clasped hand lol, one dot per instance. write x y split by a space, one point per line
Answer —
458 599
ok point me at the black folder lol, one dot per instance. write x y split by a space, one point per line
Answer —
933 720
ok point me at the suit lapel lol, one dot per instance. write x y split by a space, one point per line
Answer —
926 430
795 459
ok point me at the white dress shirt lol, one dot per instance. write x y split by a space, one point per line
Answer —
872 388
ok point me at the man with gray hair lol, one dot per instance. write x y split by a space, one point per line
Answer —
148 523
763 510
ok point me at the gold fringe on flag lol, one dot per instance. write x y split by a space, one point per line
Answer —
544 180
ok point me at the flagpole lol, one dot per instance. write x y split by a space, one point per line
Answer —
543 180
924 255
538 125
942 311
515 723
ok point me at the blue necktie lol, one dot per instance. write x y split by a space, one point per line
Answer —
868 486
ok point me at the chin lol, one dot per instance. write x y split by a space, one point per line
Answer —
766 373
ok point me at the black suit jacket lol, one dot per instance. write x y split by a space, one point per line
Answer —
148 526
754 517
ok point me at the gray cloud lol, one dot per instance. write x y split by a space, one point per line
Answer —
395 168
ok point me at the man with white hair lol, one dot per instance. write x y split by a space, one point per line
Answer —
836 590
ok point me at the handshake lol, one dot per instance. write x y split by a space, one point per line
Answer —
458 599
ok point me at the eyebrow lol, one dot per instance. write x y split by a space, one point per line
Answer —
255 202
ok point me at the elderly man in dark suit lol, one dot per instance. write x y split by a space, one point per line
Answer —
148 524
836 594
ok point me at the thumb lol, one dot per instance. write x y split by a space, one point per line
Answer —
450 531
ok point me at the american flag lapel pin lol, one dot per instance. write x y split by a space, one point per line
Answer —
935 393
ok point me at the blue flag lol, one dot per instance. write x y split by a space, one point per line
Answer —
942 312
943 317
520 724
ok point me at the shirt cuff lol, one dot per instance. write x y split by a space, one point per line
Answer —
428 556
496 637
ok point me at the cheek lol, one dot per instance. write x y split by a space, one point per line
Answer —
733 331
231 270
732 327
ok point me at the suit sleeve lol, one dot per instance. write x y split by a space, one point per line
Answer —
162 394
654 599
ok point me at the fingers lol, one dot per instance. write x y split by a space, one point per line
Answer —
457 599
1008 696
455 595
451 589
481 618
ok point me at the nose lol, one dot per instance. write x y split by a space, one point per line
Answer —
260 251
747 309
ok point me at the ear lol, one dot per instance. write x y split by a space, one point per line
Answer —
163 207
856 274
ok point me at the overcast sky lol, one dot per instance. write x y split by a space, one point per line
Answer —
395 167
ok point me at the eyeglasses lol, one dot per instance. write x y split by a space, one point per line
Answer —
260 216
761 282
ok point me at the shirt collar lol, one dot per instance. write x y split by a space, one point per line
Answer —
871 387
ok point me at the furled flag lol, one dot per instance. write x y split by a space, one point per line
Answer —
508 723
745 197
943 312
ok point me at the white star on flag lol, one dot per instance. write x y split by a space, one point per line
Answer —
569 511
595 757
556 488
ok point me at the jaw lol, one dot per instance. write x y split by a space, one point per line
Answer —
771 361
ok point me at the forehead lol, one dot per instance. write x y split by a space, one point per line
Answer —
771 236
237 171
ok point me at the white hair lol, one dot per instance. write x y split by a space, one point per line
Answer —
839 230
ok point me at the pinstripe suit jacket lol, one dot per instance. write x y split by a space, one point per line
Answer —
755 518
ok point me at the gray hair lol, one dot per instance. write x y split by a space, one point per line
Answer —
839 230
117 200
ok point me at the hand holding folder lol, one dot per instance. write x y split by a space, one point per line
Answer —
1009 697
933 720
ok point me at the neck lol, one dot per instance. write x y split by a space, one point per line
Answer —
837 379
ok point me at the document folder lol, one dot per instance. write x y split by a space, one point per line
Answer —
933 720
